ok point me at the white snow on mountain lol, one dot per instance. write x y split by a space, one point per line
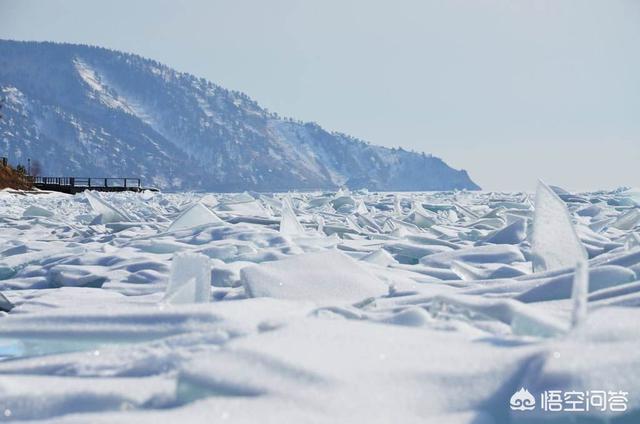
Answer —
83 110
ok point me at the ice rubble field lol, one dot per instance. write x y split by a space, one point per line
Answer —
320 307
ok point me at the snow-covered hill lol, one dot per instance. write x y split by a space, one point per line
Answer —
90 111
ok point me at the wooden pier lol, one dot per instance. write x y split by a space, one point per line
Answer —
73 185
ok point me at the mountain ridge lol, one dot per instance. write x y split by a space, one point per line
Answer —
90 110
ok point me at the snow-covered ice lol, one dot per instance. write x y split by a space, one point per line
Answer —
317 307
320 277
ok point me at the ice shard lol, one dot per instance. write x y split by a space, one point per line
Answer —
632 241
108 213
209 200
466 211
380 257
289 223
37 211
190 279
420 217
321 277
195 215
5 304
243 205
511 234
628 220
633 194
397 206
369 222
361 208
241 198
491 253
559 190
353 224
320 220
469 272
555 243
579 293
340 201
600 225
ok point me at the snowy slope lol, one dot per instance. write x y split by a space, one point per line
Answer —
90 111
377 317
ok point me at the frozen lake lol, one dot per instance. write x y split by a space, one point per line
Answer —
320 307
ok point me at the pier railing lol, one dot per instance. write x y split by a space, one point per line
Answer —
78 184
89 182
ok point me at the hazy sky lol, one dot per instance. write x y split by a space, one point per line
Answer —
510 90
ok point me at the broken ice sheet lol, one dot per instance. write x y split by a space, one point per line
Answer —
317 277
397 206
484 272
190 279
579 293
243 205
420 217
37 211
555 243
497 317
380 257
107 212
560 286
632 241
361 208
492 253
633 194
511 234
628 220
195 215
5 304
343 200
289 223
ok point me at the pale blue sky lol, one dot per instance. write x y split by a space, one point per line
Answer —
510 90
